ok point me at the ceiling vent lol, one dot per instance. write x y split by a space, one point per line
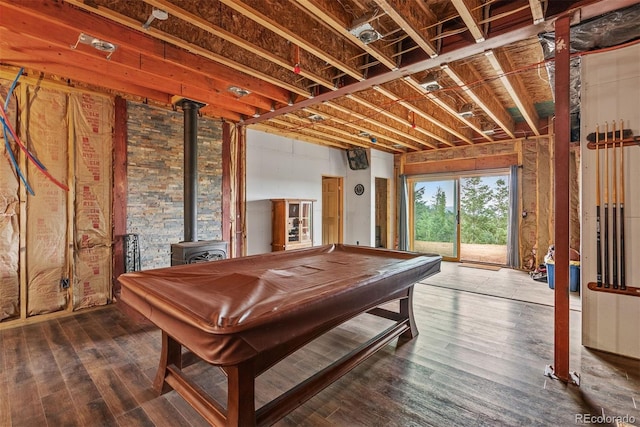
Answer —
466 112
364 31
430 83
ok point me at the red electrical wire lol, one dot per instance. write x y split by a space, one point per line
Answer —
29 155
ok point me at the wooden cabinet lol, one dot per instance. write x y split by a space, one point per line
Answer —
292 224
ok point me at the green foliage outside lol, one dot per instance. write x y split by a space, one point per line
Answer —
484 214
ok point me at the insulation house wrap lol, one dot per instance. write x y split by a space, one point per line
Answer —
92 130
55 242
9 221
45 130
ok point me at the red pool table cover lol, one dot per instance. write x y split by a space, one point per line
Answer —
232 310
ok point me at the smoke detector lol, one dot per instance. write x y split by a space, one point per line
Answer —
159 14
364 31
466 111
430 83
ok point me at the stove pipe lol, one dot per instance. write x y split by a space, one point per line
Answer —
190 109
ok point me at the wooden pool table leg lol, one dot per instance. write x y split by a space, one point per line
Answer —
241 409
406 310
171 355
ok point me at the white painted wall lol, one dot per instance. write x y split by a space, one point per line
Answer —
611 91
279 167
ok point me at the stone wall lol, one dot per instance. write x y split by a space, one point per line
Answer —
155 180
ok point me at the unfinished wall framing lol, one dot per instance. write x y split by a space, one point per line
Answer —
55 244
535 188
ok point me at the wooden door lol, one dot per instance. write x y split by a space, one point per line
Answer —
331 210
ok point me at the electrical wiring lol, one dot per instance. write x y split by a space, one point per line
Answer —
12 158
36 162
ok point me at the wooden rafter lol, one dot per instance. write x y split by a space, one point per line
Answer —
471 18
372 111
294 135
237 40
500 63
190 47
412 19
359 128
411 82
327 12
536 11
276 21
481 96
412 107
402 121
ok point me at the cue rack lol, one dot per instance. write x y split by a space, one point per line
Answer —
611 261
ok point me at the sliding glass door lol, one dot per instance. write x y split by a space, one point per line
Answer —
461 217
435 217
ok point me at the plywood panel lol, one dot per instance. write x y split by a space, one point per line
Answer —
611 91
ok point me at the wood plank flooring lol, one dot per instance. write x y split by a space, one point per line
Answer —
478 361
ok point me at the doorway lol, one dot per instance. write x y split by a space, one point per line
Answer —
464 217
382 213
332 210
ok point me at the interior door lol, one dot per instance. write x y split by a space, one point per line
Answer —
435 226
331 210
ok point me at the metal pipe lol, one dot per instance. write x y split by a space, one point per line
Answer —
190 109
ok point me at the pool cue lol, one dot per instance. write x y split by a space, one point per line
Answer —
598 240
614 210
623 283
606 206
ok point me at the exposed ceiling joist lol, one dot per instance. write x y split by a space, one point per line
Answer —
500 64
481 97
536 11
412 19
469 14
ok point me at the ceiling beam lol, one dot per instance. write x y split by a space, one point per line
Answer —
469 15
190 47
70 17
501 64
481 96
411 82
354 125
394 130
412 19
264 127
403 121
517 34
536 11
327 11
411 107
272 17
239 41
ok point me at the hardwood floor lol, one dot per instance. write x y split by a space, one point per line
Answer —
478 361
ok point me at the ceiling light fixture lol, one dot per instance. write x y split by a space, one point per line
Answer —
238 91
364 31
364 134
430 82
466 112
315 117
158 14
96 43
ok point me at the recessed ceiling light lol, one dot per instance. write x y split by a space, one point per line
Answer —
238 91
364 31
316 118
